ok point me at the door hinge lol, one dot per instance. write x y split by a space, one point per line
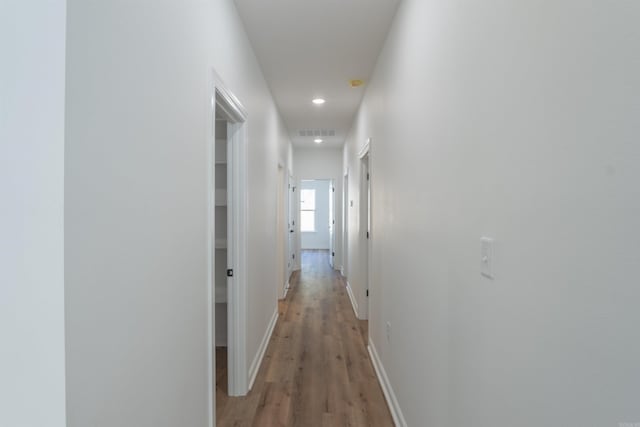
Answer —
333 254
293 256
333 221
367 234
367 176
333 189
367 292
230 272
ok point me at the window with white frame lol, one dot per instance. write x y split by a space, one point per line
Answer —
307 210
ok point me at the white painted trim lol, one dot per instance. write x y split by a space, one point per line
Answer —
389 395
365 149
237 293
286 289
236 112
211 208
257 360
354 304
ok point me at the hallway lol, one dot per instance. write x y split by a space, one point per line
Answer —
316 371
483 210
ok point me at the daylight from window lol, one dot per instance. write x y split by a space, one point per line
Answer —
307 210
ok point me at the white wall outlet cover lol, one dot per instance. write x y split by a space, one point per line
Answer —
486 257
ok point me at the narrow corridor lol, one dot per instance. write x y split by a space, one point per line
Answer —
316 371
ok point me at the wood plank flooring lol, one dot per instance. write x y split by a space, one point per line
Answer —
316 371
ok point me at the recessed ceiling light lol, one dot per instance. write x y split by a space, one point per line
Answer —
318 101
318 141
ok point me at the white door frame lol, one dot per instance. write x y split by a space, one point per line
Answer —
332 206
223 99
237 260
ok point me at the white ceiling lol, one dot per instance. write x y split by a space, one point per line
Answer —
312 48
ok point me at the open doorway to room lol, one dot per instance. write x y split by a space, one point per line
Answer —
316 216
227 216
221 258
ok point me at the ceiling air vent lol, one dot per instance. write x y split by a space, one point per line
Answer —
316 132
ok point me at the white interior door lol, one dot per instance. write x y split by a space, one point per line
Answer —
332 223
365 219
292 225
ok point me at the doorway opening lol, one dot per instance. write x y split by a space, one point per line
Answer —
227 248
222 259
317 217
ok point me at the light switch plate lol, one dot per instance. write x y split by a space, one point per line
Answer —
486 257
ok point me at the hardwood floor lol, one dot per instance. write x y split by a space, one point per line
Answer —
316 371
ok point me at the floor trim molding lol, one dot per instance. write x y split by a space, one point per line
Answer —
389 395
352 297
257 361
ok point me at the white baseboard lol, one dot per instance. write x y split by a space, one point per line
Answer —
389 395
354 304
257 361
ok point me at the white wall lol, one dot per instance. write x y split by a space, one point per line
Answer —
518 121
32 369
318 239
138 124
323 163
